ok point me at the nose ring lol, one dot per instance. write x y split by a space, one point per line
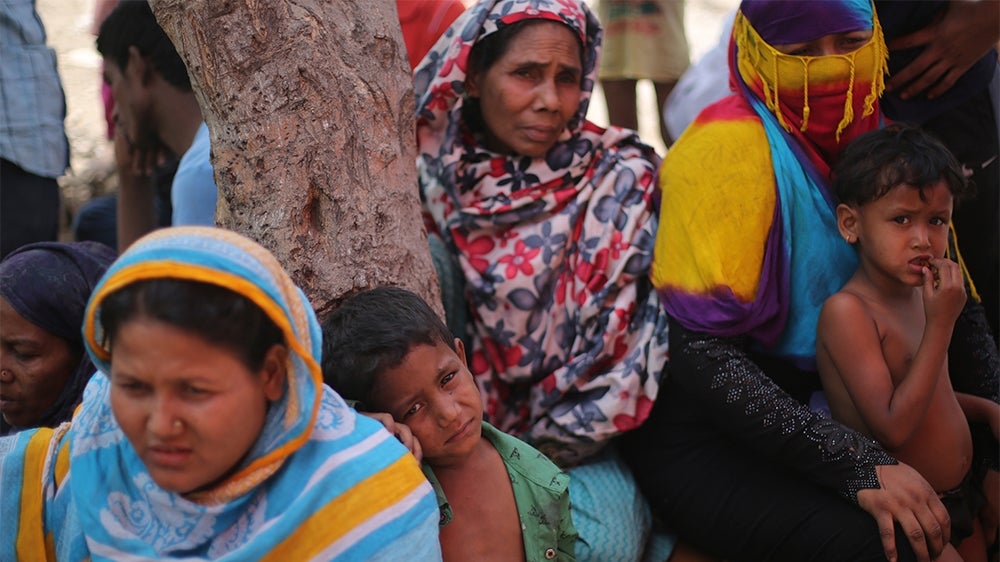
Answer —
178 425
5 374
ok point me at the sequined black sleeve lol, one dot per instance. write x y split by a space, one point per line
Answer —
747 405
974 367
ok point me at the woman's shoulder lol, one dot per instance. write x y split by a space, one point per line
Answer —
726 143
628 150
728 125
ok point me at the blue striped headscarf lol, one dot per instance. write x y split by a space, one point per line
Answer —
320 483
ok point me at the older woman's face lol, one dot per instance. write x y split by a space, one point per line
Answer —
34 368
190 409
530 93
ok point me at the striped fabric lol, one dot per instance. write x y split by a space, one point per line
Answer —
320 483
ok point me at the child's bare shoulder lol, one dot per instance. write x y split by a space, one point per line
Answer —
845 305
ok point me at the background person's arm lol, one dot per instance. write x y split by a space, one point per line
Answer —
952 44
136 193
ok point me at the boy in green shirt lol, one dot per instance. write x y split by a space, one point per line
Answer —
499 497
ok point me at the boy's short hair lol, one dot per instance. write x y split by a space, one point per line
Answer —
878 161
373 331
132 24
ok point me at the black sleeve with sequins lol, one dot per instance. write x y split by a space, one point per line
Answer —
750 407
974 367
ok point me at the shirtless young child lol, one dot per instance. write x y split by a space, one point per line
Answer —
882 340
500 499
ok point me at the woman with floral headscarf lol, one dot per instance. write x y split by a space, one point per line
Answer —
748 250
208 433
552 221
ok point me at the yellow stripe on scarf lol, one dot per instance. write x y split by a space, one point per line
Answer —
30 538
718 204
360 503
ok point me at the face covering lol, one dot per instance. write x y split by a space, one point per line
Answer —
819 97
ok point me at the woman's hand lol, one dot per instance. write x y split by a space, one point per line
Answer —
952 44
400 430
907 498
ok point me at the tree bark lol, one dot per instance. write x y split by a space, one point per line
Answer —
310 108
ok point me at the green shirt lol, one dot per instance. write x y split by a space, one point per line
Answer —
541 492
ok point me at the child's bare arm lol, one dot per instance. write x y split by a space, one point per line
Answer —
849 334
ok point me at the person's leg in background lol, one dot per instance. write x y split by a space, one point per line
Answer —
29 208
663 90
643 40
619 94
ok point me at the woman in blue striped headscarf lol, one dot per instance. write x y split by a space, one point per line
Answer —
208 432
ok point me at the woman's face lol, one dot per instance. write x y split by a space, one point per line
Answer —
832 44
190 409
34 368
531 92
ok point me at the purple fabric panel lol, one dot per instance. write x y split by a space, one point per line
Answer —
796 21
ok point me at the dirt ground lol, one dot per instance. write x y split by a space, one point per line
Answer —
68 24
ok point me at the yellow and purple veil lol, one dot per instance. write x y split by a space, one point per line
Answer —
748 242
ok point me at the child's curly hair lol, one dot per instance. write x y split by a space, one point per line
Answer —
878 161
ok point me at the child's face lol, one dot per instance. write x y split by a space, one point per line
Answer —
898 233
434 394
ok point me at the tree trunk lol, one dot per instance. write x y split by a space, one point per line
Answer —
310 108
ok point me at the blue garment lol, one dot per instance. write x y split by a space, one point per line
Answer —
610 514
319 483
32 105
193 193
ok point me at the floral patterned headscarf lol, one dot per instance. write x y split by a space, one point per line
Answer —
568 340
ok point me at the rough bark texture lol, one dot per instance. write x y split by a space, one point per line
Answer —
311 113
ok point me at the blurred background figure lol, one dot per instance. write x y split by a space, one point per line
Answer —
643 40
423 21
702 84
97 218
944 77
34 150
44 288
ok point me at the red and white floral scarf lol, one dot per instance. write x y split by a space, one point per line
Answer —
568 337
